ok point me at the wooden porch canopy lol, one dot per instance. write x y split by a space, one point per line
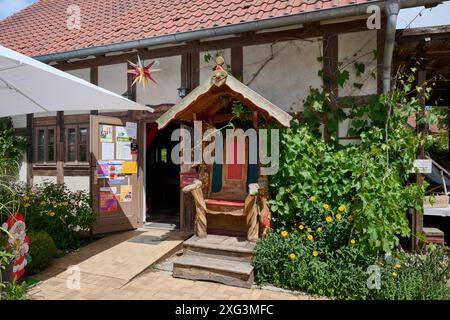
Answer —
205 101
430 47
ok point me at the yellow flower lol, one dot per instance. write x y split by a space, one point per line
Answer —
25 198
284 233
312 198
310 237
43 203
309 229
350 218
353 241
341 207
326 206
338 216
319 229
394 274
54 202
51 214
27 205
292 256
328 219
301 227
397 266
315 253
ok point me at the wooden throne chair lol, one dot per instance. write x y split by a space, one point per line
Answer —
231 198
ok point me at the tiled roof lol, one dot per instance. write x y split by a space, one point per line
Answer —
42 27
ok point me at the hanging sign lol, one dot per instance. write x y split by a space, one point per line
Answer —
108 199
106 133
422 165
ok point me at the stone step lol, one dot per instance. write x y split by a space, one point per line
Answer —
199 267
221 247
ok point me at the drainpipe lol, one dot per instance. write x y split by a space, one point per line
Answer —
391 9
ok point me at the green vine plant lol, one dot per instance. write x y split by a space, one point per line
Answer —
372 179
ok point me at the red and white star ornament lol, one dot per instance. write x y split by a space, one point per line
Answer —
142 74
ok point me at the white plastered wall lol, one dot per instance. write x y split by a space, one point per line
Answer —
358 46
168 81
84 74
113 78
41 179
286 69
76 183
206 68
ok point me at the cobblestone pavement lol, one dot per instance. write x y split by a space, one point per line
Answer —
115 268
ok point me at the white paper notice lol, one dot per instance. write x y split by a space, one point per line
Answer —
132 129
107 151
123 151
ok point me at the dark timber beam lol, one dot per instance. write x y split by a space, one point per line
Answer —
330 68
237 63
94 80
244 39
417 219
60 147
30 146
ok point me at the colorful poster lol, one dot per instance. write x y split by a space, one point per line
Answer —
123 151
106 133
102 169
108 199
129 167
132 129
122 134
126 193
116 179
108 151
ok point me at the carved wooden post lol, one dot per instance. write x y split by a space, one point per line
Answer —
251 213
200 215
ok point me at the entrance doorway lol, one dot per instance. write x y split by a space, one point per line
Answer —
162 178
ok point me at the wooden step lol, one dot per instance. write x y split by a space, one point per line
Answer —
221 247
198 267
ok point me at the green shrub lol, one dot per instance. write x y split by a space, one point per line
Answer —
289 262
60 212
42 250
316 178
421 276
15 291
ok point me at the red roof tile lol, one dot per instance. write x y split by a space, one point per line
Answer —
42 27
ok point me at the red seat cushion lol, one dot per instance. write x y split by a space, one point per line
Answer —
226 203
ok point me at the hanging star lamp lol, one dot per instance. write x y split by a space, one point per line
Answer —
142 74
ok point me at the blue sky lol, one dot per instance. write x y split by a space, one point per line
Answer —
430 17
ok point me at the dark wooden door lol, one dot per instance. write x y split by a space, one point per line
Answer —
124 211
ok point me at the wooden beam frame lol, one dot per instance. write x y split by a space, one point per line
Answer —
30 145
60 146
245 39
417 219
330 69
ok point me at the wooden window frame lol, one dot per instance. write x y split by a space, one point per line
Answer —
46 139
77 128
